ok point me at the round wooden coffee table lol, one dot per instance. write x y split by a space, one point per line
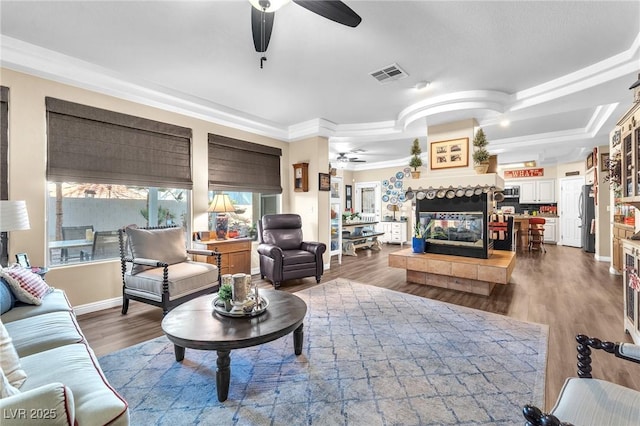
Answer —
196 325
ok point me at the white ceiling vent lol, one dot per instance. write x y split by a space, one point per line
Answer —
389 73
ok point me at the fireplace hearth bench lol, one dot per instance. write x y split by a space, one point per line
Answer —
468 274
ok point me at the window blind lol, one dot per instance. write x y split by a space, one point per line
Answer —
87 144
237 165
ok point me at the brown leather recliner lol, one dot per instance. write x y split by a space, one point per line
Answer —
283 253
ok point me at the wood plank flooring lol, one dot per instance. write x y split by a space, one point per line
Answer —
564 288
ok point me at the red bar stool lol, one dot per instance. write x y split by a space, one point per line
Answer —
536 234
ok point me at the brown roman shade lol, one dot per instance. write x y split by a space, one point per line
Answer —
237 165
4 143
87 144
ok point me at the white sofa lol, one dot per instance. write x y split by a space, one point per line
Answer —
65 384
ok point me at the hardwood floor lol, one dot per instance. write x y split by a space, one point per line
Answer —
564 288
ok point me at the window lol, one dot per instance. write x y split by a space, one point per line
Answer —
83 218
107 170
250 207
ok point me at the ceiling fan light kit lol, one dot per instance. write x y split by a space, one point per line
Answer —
268 6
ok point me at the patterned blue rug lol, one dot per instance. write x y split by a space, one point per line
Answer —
371 356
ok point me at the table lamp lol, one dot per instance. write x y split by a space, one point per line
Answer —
13 217
394 208
221 204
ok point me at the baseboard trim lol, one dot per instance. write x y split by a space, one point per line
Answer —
98 306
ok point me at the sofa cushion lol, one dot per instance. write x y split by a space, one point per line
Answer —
43 332
166 245
9 361
96 402
51 404
55 301
28 287
6 389
7 299
184 278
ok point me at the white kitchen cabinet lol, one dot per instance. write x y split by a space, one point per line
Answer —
551 230
537 191
394 232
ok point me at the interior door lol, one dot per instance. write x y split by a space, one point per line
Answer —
368 199
569 211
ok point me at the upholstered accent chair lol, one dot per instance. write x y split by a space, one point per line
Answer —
586 401
283 253
156 268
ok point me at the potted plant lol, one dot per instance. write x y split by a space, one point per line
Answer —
415 161
480 153
225 293
417 242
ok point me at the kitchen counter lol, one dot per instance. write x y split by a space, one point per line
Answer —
521 224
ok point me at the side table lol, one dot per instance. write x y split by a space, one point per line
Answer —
40 270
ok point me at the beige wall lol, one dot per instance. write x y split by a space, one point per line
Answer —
86 284
313 206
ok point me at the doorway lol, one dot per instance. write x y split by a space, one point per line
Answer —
570 221
368 200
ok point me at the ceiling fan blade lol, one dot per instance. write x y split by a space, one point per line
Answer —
337 11
355 160
261 38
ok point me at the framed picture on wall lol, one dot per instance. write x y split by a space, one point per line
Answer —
347 197
324 182
590 160
604 161
449 154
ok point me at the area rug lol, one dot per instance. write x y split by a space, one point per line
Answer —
371 356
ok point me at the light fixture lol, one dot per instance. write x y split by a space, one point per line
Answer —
394 208
422 85
518 165
269 6
13 217
505 122
221 204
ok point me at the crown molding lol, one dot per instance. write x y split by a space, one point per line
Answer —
410 122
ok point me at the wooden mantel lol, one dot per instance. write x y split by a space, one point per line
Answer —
472 275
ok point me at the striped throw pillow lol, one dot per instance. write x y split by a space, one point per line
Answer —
26 286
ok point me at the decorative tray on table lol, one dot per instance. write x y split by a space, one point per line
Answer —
249 308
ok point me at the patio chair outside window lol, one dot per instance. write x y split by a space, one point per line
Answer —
74 233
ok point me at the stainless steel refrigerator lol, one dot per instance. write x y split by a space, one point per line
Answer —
587 214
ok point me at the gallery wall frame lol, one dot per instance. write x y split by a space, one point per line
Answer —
449 154
348 197
324 182
604 161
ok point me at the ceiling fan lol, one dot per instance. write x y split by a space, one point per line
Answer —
342 157
263 13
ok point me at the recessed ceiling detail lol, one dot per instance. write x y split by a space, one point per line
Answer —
389 73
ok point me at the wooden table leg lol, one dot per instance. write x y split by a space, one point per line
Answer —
223 375
179 351
298 336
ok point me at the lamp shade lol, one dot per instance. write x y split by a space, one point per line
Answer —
221 204
13 216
